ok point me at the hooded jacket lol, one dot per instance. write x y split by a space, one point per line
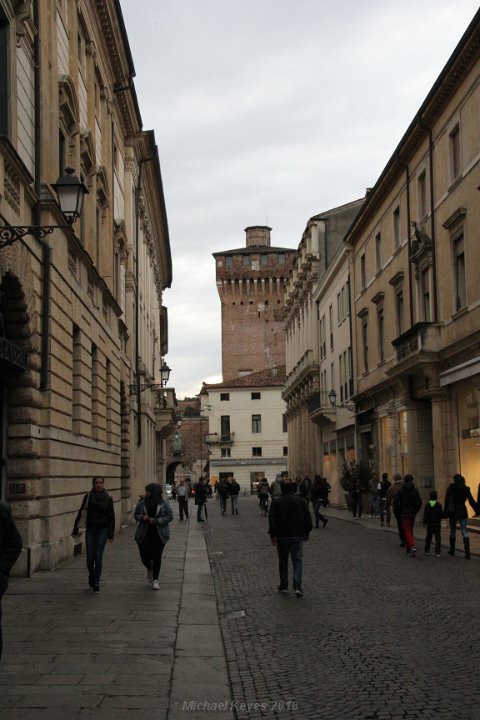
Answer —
408 501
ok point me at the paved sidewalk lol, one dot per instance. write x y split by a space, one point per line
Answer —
418 531
129 652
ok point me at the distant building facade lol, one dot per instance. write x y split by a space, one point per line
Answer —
251 286
247 427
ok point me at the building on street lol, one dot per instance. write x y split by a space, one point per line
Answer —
83 326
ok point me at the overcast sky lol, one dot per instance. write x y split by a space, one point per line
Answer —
267 112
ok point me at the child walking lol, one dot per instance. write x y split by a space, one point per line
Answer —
432 519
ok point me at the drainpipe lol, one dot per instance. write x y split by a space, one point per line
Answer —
137 311
37 215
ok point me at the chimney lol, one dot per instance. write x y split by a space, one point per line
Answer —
258 235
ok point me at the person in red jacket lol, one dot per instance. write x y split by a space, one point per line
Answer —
408 502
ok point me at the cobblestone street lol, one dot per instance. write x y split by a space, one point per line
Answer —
378 635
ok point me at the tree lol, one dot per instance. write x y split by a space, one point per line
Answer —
356 474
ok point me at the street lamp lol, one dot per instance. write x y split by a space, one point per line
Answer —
332 396
164 377
70 191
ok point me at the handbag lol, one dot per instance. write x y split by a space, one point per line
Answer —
82 521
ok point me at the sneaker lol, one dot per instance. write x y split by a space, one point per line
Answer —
412 552
325 522
96 589
155 585
282 589
299 592
437 554
149 577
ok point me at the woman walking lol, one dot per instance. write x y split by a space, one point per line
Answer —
153 514
100 526
455 509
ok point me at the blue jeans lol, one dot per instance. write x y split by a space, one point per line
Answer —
234 502
453 526
286 547
95 539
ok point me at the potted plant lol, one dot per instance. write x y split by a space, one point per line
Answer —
355 474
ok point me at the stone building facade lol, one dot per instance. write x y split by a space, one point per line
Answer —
318 343
251 285
408 264
416 295
82 316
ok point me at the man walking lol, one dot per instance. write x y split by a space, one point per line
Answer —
10 549
290 524
182 495
234 491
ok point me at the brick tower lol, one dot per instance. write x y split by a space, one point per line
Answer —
250 283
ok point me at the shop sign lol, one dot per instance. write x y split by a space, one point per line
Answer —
12 354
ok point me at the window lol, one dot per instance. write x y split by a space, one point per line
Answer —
381 333
422 195
399 311
363 281
225 452
365 343
342 377
264 259
323 338
224 396
425 294
397 234
256 452
459 270
284 423
281 258
256 423
228 261
455 157
378 251
332 375
256 396
285 451
330 320
246 260
225 427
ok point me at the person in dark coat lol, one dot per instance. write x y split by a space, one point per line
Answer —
100 527
153 515
455 509
319 496
392 492
234 491
408 502
200 498
290 524
10 549
432 520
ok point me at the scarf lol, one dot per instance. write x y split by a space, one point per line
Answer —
99 499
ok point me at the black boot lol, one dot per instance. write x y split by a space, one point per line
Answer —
466 543
452 546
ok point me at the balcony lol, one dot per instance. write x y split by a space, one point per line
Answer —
419 345
304 371
320 410
219 439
